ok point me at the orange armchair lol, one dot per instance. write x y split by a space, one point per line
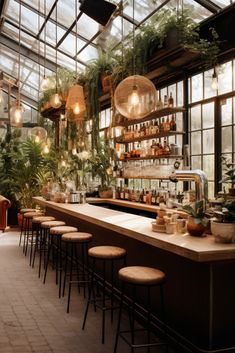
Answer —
4 205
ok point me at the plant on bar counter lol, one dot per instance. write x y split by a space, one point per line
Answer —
228 173
197 211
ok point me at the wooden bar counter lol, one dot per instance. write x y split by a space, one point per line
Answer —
199 292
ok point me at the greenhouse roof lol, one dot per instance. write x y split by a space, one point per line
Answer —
39 27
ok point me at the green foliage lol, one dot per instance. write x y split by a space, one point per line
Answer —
228 171
226 212
196 211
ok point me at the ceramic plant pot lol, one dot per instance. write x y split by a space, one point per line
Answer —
195 229
223 232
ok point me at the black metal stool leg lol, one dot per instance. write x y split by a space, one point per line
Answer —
70 277
89 295
119 319
65 267
164 317
48 256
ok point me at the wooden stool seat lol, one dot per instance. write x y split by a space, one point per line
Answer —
77 237
50 224
107 252
62 230
41 219
25 210
33 214
141 275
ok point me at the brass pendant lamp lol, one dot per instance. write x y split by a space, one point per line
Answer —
16 111
135 96
55 99
75 104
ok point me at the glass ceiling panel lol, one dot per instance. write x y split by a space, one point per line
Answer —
198 12
142 8
34 4
65 12
68 45
29 19
222 3
112 35
50 29
87 27
13 33
87 54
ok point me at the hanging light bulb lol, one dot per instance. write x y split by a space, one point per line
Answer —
76 109
44 83
55 101
76 102
16 114
46 149
214 82
63 163
133 98
38 134
74 151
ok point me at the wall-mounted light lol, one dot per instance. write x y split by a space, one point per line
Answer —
99 10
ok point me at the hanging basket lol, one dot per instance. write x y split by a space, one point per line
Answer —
106 82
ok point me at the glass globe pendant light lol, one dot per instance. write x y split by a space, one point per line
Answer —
55 99
16 110
135 96
38 134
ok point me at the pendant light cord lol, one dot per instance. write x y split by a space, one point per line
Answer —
133 38
39 66
122 36
76 30
45 38
19 51
56 46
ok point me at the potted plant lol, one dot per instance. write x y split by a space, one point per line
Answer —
223 222
228 174
101 167
197 220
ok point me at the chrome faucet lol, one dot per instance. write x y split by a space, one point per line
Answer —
196 175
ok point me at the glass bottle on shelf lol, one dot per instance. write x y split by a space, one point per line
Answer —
167 124
159 104
121 192
173 126
165 101
162 125
170 101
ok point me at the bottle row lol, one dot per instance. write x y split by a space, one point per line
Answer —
149 197
154 148
168 102
153 127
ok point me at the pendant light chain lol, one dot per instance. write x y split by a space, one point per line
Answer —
39 63
122 36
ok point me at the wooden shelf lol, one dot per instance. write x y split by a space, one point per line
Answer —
157 114
167 156
150 137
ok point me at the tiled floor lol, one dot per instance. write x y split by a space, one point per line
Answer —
34 319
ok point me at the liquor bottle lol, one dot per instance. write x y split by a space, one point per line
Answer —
170 101
159 104
162 125
165 103
167 124
121 192
153 197
144 196
117 193
153 147
156 127
126 193
173 126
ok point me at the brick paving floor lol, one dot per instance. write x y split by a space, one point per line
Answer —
34 319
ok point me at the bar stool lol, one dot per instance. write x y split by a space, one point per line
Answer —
104 254
36 227
45 226
146 277
23 211
28 216
72 241
55 243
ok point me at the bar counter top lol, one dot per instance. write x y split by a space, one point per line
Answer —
200 249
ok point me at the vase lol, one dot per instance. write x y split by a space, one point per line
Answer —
195 229
223 232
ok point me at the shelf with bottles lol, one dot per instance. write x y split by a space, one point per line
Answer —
149 137
156 114
154 128
167 156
